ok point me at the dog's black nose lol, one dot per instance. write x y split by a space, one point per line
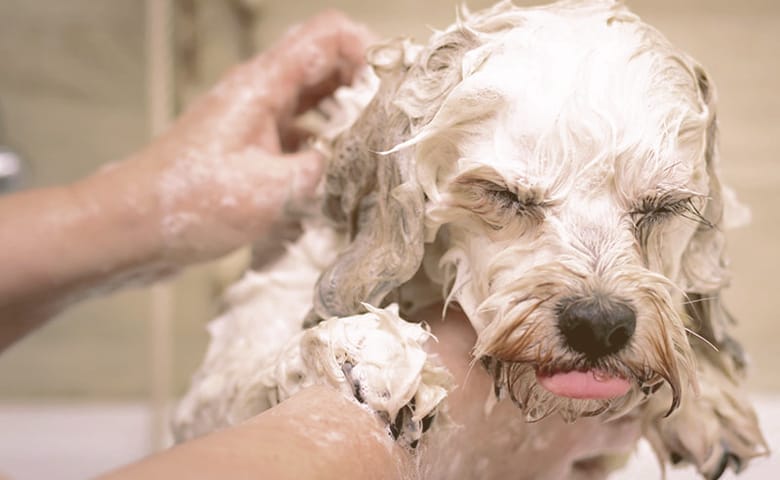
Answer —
596 326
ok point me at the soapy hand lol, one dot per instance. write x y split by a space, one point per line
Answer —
229 171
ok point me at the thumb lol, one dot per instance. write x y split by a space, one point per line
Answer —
307 167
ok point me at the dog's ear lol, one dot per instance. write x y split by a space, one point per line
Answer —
704 264
376 198
371 188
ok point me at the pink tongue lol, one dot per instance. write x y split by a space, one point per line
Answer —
591 384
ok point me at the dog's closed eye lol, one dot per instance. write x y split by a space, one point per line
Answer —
523 203
496 204
656 208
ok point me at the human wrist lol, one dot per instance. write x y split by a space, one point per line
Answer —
64 244
120 219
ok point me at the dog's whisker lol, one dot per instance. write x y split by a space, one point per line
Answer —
702 299
706 342
472 363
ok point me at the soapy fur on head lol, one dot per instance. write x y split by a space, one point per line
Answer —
526 157
531 166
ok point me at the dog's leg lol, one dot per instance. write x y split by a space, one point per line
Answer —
713 430
376 358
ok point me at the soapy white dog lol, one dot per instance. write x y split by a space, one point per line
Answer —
553 173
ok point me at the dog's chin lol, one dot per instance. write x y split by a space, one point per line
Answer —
571 394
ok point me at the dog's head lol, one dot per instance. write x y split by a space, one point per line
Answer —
557 167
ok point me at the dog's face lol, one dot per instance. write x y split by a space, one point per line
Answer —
569 203
567 228
565 160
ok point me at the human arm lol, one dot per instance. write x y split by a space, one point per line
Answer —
314 429
221 177
315 434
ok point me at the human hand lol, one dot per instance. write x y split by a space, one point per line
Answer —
229 172
550 448
455 339
221 177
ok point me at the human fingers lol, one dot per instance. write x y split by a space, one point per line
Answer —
311 61
308 168
256 101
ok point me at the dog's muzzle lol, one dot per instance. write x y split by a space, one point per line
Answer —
595 327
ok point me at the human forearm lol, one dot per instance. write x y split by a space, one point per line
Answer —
315 434
61 244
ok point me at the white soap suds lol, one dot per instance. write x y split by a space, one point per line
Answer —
377 357
263 311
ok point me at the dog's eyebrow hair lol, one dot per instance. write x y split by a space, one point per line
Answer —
526 194
652 208
662 195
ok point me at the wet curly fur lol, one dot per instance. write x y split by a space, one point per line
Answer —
526 157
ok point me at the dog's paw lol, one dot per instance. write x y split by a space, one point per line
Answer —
714 431
376 358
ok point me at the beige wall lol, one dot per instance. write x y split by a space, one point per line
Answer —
72 97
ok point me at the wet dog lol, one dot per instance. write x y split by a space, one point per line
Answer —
553 172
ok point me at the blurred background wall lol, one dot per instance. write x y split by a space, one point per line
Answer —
73 85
